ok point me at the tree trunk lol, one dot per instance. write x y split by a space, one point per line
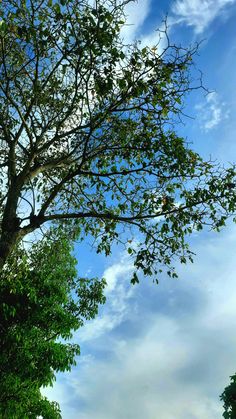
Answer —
7 243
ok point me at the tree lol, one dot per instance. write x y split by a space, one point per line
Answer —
229 399
87 134
42 300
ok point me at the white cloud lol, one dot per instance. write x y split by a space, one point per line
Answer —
173 352
155 39
117 294
149 377
136 12
198 13
211 112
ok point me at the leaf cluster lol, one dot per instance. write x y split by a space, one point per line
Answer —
229 399
42 302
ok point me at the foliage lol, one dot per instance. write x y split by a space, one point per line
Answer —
87 141
41 303
87 134
229 399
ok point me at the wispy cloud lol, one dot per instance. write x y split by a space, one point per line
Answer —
198 13
136 13
211 112
118 294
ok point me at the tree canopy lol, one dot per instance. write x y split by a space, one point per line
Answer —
87 134
229 399
42 301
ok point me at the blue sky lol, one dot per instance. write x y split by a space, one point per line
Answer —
166 351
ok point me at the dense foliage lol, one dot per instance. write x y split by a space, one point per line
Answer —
42 301
87 134
229 399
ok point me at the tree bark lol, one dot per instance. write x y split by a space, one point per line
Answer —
7 243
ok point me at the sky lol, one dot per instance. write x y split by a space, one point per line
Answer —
166 351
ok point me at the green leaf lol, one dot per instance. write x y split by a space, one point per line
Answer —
57 8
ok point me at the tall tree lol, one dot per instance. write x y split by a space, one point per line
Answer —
42 301
87 134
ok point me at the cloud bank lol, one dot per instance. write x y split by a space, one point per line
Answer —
169 354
